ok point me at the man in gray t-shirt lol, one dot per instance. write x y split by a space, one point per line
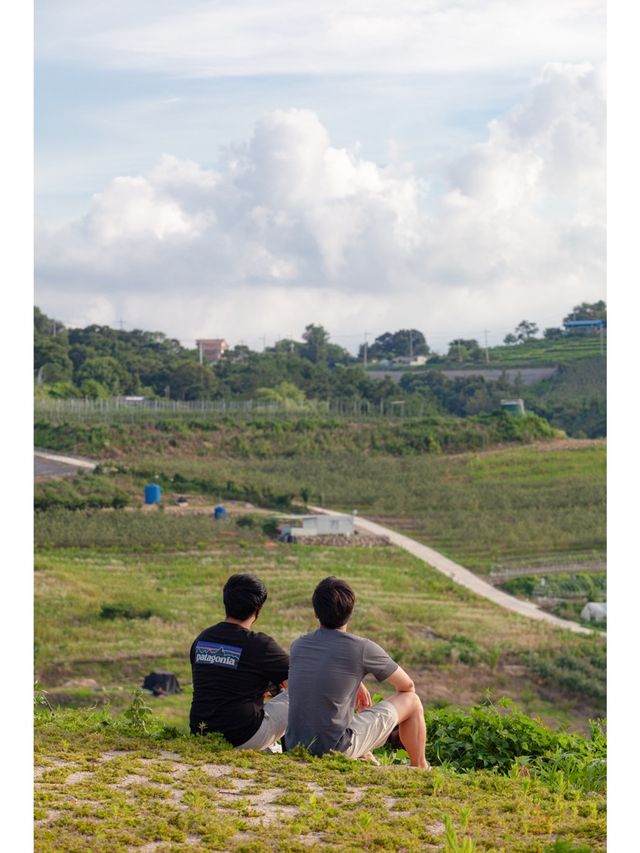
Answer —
326 670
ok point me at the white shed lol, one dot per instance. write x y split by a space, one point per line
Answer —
318 525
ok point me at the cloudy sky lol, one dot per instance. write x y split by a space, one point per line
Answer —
239 169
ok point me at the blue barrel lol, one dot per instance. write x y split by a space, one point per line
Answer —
152 493
219 512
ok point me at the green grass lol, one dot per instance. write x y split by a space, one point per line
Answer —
479 509
106 784
105 616
538 352
533 353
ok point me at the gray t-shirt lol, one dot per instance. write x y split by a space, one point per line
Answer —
325 670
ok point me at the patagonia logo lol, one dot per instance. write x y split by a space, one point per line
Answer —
218 654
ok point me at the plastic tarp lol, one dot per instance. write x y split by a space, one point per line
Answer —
594 611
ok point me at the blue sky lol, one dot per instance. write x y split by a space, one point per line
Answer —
100 123
349 165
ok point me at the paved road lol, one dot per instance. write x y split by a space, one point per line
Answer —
463 576
46 465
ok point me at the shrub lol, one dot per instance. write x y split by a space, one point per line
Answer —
583 670
124 611
82 492
493 738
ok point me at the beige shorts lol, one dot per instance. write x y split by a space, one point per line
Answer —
371 728
273 725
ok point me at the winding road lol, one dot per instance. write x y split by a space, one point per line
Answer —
54 465
462 576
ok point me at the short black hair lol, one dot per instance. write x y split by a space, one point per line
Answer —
333 601
243 595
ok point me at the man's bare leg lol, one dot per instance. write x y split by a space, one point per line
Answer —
413 731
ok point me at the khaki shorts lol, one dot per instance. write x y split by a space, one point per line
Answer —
371 727
273 725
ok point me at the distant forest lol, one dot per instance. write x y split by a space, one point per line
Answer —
100 362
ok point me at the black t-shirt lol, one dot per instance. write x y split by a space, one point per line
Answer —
231 668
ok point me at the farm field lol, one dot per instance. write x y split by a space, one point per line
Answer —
484 510
106 615
491 506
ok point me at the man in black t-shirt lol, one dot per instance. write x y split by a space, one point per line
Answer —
232 668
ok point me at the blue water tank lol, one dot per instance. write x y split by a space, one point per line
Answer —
152 493
219 512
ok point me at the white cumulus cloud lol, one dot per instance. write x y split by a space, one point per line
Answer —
290 229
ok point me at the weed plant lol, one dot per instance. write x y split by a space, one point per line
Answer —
584 585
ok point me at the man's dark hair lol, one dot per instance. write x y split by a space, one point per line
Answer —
243 595
333 602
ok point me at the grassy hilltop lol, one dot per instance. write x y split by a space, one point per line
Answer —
122 591
123 773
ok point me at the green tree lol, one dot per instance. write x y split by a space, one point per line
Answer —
105 370
552 334
316 342
93 390
464 349
588 311
286 346
525 330
192 381
285 392
403 343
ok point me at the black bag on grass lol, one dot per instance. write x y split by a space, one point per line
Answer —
161 683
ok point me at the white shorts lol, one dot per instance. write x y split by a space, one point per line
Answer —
273 725
371 728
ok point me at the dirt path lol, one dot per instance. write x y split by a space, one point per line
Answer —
463 576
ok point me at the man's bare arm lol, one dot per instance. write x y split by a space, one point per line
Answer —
401 681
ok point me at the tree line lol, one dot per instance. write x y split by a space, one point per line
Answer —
100 362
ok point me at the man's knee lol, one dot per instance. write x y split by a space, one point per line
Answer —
406 704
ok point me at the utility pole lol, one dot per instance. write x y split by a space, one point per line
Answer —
486 346
264 343
121 324
365 350
200 353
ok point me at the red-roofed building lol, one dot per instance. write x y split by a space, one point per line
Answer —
212 349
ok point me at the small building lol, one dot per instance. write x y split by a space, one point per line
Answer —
130 400
585 326
316 525
410 361
513 407
212 349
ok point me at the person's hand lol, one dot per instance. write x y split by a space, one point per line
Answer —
363 698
